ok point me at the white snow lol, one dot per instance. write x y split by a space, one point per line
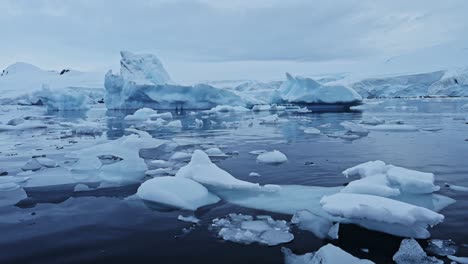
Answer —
411 252
246 229
305 90
272 157
176 192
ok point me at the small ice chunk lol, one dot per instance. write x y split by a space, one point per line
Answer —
291 258
272 157
312 130
309 221
46 162
181 156
198 123
246 229
461 260
254 174
333 233
366 169
11 193
457 188
81 188
354 128
174 124
411 252
189 219
215 152
373 121
225 109
166 115
32 165
257 152
271 119
176 192
441 247
141 114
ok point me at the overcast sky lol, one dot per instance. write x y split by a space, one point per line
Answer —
226 39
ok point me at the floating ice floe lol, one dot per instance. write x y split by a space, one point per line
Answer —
312 130
143 82
202 170
129 167
141 114
461 260
246 229
176 193
271 119
254 174
37 163
355 128
165 115
373 121
457 188
411 252
305 90
189 219
441 247
318 225
226 109
328 254
82 188
84 128
11 191
272 157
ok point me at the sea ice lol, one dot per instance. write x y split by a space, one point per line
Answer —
141 114
461 260
272 157
189 219
246 229
308 221
176 192
215 152
355 128
441 247
312 130
411 252
328 254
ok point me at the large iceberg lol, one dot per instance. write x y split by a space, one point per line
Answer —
143 82
307 91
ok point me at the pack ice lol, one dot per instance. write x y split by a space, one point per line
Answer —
143 82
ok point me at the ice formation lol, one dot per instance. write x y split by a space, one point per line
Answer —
272 157
328 254
11 191
318 225
441 247
305 90
411 252
23 83
62 99
143 82
461 260
128 168
176 193
312 131
141 114
247 229
202 170
354 128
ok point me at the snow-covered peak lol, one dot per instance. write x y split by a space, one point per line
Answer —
143 69
21 68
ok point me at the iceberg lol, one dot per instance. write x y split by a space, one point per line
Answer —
143 82
176 193
62 99
307 91
272 157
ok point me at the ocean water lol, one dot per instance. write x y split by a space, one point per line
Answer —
57 225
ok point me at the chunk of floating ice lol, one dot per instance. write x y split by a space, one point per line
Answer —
181 156
166 115
393 128
373 121
411 252
129 169
189 219
202 170
328 254
258 108
257 152
225 109
46 162
461 260
141 114
254 174
273 157
156 164
246 229
272 119
312 130
457 188
23 126
375 185
333 233
158 172
175 124
11 193
176 193
441 247
81 188
318 225
215 152
372 211
291 258
354 128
